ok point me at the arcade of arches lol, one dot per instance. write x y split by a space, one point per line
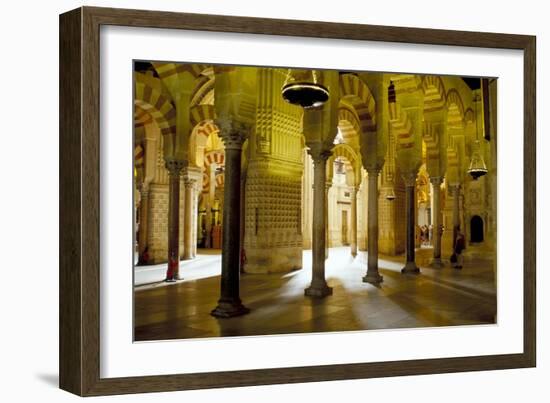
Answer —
339 217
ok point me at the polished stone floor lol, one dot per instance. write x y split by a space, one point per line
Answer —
436 297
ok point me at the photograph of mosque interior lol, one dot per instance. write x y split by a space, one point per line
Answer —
270 200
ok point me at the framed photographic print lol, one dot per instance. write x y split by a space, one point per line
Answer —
250 201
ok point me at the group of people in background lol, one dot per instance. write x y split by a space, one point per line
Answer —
424 236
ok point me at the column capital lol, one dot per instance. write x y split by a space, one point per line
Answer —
374 170
436 180
189 182
175 166
143 187
233 133
318 153
454 187
409 178
144 192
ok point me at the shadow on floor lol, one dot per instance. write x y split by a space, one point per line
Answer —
436 297
49 379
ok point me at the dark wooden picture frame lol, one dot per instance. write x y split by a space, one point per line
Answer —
80 197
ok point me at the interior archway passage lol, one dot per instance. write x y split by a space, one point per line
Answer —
476 229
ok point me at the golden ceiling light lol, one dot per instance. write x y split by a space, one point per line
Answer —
391 93
391 195
392 100
302 87
477 166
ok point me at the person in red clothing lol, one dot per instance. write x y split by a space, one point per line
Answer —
460 245
145 258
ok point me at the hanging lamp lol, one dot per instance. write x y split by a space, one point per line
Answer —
391 93
302 88
392 101
477 165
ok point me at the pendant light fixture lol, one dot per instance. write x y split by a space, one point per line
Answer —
477 165
391 93
302 87
392 109
392 100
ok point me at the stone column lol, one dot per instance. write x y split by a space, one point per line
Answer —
242 222
174 168
196 192
229 304
143 222
210 203
354 221
436 224
373 276
319 287
188 219
456 212
327 217
410 182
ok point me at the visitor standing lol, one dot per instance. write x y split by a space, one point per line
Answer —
460 245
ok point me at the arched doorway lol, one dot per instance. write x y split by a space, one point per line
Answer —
476 229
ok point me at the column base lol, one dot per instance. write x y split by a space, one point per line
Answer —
318 291
373 278
437 263
410 268
229 309
173 280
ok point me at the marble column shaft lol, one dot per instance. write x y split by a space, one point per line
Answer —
373 276
456 211
327 221
230 304
436 224
210 204
174 168
354 221
242 188
188 219
143 221
410 182
195 219
319 287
